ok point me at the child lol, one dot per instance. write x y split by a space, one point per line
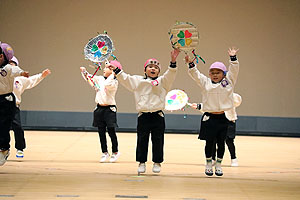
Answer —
217 94
7 99
149 92
232 117
105 114
20 85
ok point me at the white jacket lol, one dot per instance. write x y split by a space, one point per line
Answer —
22 83
106 92
149 94
231 114
215 96
7 75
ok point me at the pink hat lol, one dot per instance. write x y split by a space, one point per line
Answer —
152 61
115 64
15 60
218 65
7 50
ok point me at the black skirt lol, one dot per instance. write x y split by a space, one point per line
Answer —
105 116
213 126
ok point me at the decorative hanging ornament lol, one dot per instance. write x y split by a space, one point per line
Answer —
176 100
99 49
185 36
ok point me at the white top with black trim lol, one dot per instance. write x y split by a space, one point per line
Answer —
149 94
7 75
216 97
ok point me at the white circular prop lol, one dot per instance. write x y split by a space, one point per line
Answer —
99 48
184 36
176 100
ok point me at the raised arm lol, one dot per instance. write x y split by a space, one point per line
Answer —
234 65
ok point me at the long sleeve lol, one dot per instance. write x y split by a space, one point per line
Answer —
22 83
233 71
198 77
128 81
168 78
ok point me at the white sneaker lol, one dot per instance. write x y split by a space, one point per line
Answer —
114 157
219 171
3 156
156 167
209 170
142 168
104 157
19 154
234 162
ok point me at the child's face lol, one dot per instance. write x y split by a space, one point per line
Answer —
216 75
12 63
107 71
152 71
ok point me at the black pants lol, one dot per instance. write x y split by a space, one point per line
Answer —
113 137
153 123
20 143
105 117
7 111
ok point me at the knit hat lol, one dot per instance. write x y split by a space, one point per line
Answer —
115 64
15 60
218 65
7 50
152 61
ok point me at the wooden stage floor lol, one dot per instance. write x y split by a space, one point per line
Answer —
65 165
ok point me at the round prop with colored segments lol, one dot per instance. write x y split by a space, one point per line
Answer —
176 100
184 36
99 48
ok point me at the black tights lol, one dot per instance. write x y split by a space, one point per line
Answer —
210 148
231 148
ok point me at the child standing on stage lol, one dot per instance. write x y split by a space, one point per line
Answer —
217 94
105 116
231 131
7 99
149 92
20 85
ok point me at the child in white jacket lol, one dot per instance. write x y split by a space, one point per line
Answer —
7 99
149 93
105 114
231 115
20 85
217 96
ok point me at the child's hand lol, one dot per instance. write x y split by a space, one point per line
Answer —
25 74
194 105
112 67
45 73
232 51
174 55
82 69
187 59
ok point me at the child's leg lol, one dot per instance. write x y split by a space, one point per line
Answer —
114 141
157 137
208 148
214 150
7 111
20 143
143 133
231 147
221 147
102 136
